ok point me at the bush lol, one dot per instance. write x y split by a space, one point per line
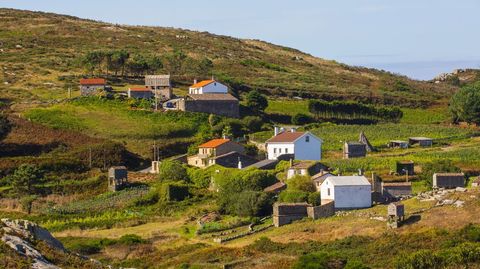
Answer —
256 101
248 204
131 239
289 196
174 192
172 171
465 104
301 183
440 166
253 124
320 260
24 178
423 259
200 177
301 119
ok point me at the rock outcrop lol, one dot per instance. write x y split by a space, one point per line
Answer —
19 235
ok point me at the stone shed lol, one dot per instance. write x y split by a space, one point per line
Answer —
223 104
395 190
422 141
405 167
448 180
354 150
117 178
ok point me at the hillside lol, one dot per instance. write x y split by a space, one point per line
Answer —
41 55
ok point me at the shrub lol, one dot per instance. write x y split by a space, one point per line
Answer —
301 183
423 259
256 101
131 239
248 204
24 178
320 260
172 171
199 177
465 104
291 196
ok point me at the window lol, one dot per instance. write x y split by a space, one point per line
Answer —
280 150
328 191
274 150
307 138
286 150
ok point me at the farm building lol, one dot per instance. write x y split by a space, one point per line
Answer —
232 159
348 192
218 148
207 86
222 104
276 188
303 146
91 86
160 86
319 178
395 190
422 141
139 93
304 168
398 144
448 180
117 178
354 150
405 168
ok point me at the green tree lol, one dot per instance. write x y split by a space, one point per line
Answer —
119 60
27 202
24 178
465 104
256 101
93 60
137 65
5 126
204 67
301 183
154 64
172 171
175 61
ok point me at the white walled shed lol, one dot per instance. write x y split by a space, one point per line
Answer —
348 192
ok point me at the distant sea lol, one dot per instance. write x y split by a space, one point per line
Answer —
424 70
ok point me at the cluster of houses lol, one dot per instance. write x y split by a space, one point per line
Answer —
207 96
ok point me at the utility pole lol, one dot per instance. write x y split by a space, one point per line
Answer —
90 157
69 93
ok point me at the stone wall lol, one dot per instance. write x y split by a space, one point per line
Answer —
227 108
321 211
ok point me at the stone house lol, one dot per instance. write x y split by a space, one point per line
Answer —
222 104
405 167
448 180
209 151
395 190
303 145
160 86
92 86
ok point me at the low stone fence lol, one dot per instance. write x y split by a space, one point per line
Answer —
237 236
321 211
284 213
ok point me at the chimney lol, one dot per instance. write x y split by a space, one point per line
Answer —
276 131
194 81
282 130
293 129
239 163
360 172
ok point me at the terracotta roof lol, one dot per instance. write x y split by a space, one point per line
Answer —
202 83
139 89
285 137
92 81
213 96
214 143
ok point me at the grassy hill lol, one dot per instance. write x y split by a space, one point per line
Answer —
41 52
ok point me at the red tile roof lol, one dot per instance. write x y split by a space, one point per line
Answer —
285 137
202 83
139 89
214 143
92 81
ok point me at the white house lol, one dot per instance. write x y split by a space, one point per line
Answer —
348 192
208 86
301 145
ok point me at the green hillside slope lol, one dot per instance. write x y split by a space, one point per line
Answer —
40 52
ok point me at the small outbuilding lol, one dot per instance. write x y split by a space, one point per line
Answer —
422 141
117 178
354 150
160 86
348 192
139 93
448 180
304 168
405 168
395 190
92 86
398 144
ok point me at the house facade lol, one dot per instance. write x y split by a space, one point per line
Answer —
213 149
304 168
91 86
348 192
207 86
160 86
302 146
139 93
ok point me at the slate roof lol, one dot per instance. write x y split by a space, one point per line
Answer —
157 80
349 181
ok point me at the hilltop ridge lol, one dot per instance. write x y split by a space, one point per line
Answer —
41 54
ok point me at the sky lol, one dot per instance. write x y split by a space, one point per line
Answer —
417 38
